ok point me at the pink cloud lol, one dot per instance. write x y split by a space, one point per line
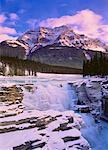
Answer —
14 16
85 21
82 18
32 23
7 30
2 18
4 37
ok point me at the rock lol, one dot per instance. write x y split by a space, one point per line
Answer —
12 93
71 120
83 108
28 88
40 145
93 90
70 138
29 146
10 48
62 127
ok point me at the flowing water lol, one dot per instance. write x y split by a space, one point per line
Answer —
54 92
96 134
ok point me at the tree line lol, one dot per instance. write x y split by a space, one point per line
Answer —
98 65
28 67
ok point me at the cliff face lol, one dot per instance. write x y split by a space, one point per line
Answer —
59 56
12 49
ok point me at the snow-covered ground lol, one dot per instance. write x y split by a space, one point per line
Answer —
45 114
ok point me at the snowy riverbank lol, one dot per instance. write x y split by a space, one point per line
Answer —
31 128
43 119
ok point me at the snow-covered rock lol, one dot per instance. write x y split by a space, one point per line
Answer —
13 48
25 128
62 36
39 130
93 90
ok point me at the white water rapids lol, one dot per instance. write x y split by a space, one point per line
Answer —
50 91
49 96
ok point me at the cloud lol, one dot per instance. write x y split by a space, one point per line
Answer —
7 30
4 37
33 23
85 21
13 16
12 23
2 18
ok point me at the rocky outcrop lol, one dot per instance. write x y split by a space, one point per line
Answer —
12 48
52 131
11 94
92 95
94 91
62 36
33 129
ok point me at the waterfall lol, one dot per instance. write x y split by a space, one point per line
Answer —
50 96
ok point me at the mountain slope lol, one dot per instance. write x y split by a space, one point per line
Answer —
60 46
62 36
13 48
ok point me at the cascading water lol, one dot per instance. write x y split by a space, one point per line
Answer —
50 96
50 91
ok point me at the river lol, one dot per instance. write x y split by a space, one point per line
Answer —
54 92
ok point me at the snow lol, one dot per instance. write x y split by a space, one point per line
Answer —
55 142
16 43
52 100
72 133
53 139
62 36
9 140
87 55
80 141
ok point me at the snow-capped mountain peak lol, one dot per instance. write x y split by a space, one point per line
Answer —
63 36
60 36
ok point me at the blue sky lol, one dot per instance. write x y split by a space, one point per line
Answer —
17 16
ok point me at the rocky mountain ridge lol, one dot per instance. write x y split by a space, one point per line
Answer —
59 46
61 36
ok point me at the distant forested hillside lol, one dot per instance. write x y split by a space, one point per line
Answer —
96 66
15 66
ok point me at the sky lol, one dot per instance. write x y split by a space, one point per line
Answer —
89 17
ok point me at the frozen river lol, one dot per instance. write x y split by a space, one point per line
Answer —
53 92
96 136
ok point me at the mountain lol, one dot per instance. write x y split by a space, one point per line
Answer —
61 36
59 46
13 48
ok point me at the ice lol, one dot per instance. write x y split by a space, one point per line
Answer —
51 96
98 138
